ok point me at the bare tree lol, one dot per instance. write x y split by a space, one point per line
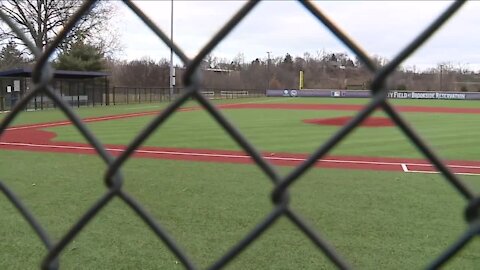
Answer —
42 20
140 73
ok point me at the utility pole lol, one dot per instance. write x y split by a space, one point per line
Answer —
268 70
172 71
441 77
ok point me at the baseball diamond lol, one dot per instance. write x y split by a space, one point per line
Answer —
325 160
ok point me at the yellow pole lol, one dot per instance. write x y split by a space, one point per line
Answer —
300 81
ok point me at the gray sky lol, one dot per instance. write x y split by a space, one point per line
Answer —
381 27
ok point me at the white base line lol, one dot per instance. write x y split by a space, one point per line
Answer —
158 152
194 153
435 172
450 166
96 119
405 169
197 154
113 117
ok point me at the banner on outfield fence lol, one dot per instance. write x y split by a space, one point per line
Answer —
366 94
427 95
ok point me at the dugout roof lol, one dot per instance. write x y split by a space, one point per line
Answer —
61 74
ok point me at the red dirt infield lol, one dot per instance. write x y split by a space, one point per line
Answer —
340 121
32 138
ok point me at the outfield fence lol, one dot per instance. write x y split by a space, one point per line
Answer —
395 94
117 95
114 180
133 95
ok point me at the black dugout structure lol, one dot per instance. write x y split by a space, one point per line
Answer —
78 88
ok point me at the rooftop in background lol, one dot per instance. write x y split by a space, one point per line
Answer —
63 74
219 70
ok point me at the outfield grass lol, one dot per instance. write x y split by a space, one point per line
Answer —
56 115
395 102
378 220
454 136
49 115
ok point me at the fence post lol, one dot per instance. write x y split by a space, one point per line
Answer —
78 96
61 91
93 95
107 96
107 92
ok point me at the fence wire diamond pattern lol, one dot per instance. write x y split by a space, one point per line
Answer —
43 74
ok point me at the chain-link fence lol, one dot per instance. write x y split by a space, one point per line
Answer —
42 77
134 95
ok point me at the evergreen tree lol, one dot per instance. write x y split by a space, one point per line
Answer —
288 59
288 62
81 57
11 57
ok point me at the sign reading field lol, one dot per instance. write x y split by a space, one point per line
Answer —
427 95
336 93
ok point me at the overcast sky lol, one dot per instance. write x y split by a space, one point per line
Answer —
381 27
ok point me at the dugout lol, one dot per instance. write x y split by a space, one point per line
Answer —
78 88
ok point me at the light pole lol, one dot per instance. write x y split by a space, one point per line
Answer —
441 77
268 70
172 71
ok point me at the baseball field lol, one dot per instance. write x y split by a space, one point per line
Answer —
374 197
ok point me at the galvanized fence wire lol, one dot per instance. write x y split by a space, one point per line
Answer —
43 74
131 95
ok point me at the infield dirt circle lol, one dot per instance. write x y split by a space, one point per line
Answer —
340 121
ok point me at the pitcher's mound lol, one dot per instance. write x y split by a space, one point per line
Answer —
340 121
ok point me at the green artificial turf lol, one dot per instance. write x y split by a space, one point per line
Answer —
395 102
29 117
375 220
454 136
49 115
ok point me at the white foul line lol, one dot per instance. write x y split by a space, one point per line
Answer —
84 120
87 120
195 153
198 154
405 169
435 172
178 153
40 125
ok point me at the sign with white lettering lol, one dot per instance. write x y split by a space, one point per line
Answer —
337 93
426 95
